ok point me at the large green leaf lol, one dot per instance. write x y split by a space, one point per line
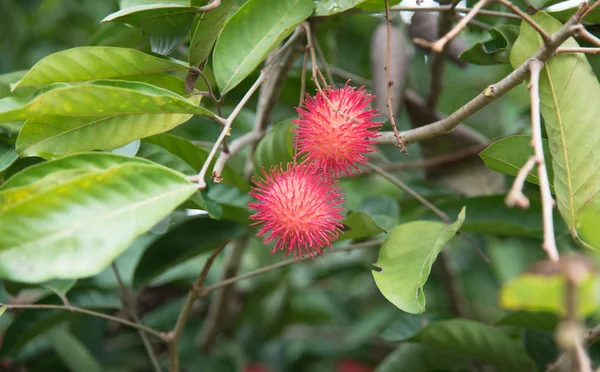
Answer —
567 85
89 217
494 51
405 260
94 63
98 99
205 30
275 148
509 154
410 357
188 239
265 23
478 341
165 24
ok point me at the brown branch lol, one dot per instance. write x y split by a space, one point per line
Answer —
219 306
515 196
438 46
390 83
212 5
262 270
577 50
549 244
129 306
96 314
489 95
446 8
515 9
580 32
175 335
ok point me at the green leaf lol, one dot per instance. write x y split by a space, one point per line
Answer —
329 7
60 286
509 154
164 24
98 99
404 327
2 310
405 260
589 228
476 340
71 351
205 30
567 85
410 357
89 218
275 148
265 23
162 156
494 51
536 292
539 320
8 156
592 17
94 63
195 156
360 225
189 239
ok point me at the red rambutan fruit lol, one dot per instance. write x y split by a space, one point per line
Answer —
336 128
299 207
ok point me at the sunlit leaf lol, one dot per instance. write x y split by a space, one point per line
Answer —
567 85
94 63
205 30
265 23
88 218
405 260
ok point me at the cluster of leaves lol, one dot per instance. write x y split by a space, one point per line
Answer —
99 135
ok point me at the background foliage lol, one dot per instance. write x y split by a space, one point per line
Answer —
96 143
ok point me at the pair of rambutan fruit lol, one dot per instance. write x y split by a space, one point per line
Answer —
300 207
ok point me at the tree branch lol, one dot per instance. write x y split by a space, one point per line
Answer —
129 305
194 293
515 196
490 94
96 314
549 244
526 18
438 46
262 270
390 83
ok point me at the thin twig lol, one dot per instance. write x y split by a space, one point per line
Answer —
212 5
323 60
549 244
390 83
227 127
262 270
490 94
580 32
443 216
515 9
193 295
577 50
96 314
438 45
446 8
129 305
303 78
515 196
